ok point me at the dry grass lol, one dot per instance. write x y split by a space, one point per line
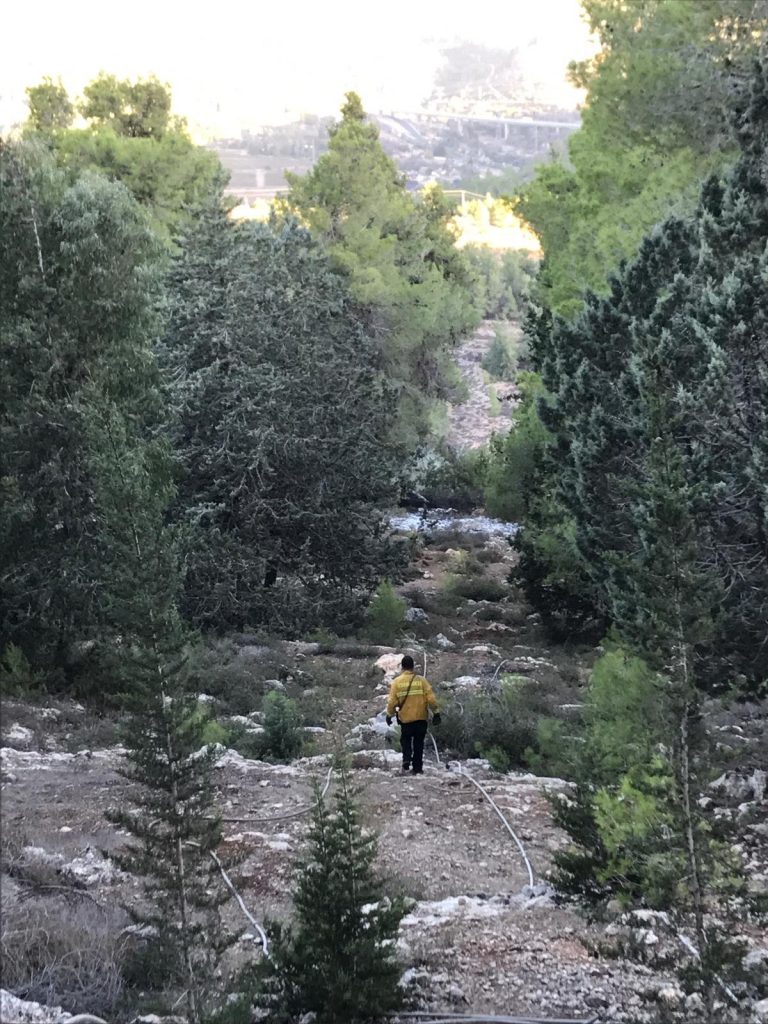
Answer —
64 953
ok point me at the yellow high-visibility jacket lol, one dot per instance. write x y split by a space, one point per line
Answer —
412 708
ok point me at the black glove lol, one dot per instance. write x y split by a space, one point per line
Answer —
389 719
436 718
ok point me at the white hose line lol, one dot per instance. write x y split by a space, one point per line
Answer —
498 667
279 817
482 1018
434 744
507 826
245 910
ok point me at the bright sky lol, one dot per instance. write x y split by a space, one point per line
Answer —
246 63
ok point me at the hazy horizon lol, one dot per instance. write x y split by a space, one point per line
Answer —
267 66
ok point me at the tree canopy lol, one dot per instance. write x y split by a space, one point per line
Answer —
655 123
130 136
398 256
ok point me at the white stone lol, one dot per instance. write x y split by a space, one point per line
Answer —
19 736
23 1011
443 642
389 664
416 615
670 995
756 958
758 781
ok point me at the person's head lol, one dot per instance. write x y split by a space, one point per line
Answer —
407 663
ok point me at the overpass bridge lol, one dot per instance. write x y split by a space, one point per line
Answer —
409 121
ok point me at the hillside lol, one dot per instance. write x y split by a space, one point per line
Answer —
482 936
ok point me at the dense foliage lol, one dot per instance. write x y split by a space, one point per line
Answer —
79 286
655 124
658 398
282 423
130 136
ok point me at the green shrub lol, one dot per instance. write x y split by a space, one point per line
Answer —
338 959
452 479
282 738
499 726
16 674
215 732
500 361
386 615
235 677
618 818
494 402
478 588
514 458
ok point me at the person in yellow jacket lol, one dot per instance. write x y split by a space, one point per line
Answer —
411 696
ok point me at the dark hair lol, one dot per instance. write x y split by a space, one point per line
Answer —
407 661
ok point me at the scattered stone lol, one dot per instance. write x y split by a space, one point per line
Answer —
367 735
416 615
389 665
23 1011
734 786
484 649
19 737
443 642
670 996
756 958
461 683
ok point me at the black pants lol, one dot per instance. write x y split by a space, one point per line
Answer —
412 741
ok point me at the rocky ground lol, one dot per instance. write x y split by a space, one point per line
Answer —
473 422
480 937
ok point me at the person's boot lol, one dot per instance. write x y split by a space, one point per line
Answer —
405 769
418 771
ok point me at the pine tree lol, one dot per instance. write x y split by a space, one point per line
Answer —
337 960
175 829
398 257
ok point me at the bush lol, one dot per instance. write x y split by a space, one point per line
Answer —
499 726
386 615
282 738
514 458
452 479
618 818
478 588
16 674
232 675
500 361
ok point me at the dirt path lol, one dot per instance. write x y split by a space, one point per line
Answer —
473 422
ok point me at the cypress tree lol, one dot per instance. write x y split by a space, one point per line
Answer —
282 424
